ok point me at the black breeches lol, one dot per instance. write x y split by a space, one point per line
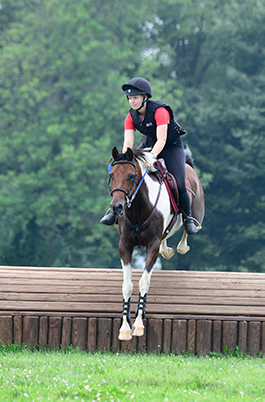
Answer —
175 162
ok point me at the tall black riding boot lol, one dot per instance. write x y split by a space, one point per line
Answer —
108 219
184 202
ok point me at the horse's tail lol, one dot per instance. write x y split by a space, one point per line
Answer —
188 156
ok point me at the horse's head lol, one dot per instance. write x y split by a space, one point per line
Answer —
122 180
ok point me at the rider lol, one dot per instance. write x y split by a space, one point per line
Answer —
162 133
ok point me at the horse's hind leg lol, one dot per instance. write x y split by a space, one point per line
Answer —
165 251
127 289
144 283
183 247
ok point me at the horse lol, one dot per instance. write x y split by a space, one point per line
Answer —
143 209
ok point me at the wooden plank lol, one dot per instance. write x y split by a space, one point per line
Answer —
135 273
217 336
154 335
110 298
79 332
81 291
104 334
92 334
153 315
115 345
179 336
55 329
204 337
142 339
191 338
6 326
229 335
254 338
43 332
164 282
171 286
17 328
115 307
66 332
30 330
167 335
242 336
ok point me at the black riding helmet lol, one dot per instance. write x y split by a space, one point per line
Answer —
137 86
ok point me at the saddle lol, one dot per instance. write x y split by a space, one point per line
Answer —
163 174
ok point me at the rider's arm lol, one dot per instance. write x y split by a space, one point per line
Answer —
161 138
162 118
128 140
128 133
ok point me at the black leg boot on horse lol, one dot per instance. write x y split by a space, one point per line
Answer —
184 202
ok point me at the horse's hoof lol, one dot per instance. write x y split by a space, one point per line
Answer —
137 331
124 336
168 253
183 250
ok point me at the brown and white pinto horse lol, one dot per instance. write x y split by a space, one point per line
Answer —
144 212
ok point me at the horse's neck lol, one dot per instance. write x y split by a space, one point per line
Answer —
141 205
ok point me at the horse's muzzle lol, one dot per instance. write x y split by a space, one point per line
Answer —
118 209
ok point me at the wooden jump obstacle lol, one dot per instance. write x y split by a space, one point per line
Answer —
186 310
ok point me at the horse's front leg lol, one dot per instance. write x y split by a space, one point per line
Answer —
127 289
144 283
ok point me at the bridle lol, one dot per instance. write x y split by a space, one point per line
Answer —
136 228
127 193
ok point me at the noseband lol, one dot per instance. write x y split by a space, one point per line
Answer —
127 193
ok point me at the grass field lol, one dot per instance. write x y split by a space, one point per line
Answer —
74 375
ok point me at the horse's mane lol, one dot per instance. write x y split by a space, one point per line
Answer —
143 157
188 156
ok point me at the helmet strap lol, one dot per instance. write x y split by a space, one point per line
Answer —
142 105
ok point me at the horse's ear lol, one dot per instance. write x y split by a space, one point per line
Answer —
129 154
115 153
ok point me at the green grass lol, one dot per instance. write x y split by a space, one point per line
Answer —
74 375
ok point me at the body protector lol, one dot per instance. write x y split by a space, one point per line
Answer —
148 125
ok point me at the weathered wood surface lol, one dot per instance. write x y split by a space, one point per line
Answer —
96 291
186 311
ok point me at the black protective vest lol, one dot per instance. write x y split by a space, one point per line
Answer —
148 125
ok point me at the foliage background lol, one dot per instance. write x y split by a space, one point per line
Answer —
62 64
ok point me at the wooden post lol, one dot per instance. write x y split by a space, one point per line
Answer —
115 345
179 336
66 332
17 322
167 335
263 339
254 338
6 330
104 333
142 339
92 334
55 326
30 330
204 337
229 338
243 336
79 332
43 332
217 336
191 336
154 335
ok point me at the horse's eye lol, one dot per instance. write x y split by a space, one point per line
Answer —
131 178
110 176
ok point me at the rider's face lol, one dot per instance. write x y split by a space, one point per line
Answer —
135 101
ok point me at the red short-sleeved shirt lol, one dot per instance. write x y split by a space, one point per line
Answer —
162 116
